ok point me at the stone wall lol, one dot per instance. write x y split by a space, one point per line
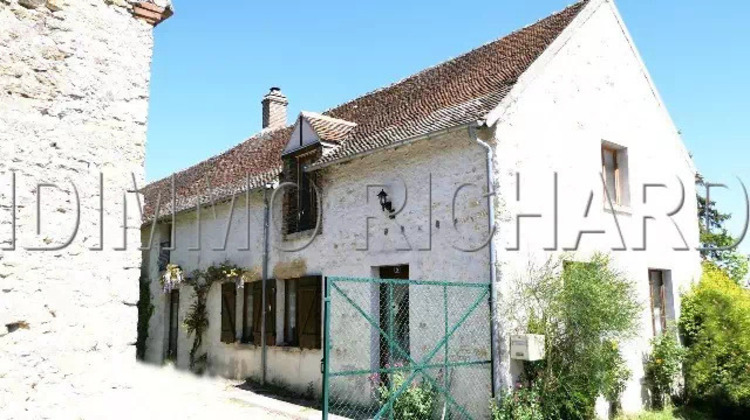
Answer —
346 247
74 90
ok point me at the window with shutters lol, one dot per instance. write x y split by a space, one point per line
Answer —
659 297
253 316
228 312
301 203
302 317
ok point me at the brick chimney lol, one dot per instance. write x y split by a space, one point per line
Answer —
274 109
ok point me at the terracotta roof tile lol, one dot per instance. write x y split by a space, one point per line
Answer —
450 94
329 128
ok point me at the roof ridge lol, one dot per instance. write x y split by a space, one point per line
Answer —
326 118
449 60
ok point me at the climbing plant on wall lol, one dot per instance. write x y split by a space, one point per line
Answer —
196 320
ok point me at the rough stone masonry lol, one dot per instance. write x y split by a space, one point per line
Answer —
74 92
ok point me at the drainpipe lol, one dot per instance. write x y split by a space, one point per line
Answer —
494 321
264 280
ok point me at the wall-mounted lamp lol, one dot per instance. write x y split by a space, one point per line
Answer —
385 204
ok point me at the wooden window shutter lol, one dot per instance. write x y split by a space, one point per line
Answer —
270 315
309 312
228 312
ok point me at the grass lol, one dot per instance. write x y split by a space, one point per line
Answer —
679 413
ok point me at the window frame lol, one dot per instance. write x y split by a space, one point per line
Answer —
300 337
618 187
247 327
662 301
257 291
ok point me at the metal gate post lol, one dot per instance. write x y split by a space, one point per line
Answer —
326 346
391 338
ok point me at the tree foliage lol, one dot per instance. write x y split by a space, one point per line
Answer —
714 236
584 313
715 323
663 367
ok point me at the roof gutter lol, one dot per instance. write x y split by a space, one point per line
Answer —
409 140
494 320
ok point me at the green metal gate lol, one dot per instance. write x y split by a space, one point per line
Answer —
411 349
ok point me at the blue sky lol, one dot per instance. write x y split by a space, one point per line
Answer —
213 63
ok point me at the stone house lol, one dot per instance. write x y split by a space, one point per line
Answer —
543 117
74 94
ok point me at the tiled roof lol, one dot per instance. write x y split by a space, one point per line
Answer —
328 128
257 159
450 94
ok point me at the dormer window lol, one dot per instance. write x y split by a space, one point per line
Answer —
313 135
305 195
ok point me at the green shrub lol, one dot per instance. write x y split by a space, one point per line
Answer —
663 367
715 323
417 401
583 314
524 403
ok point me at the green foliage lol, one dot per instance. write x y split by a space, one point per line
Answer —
196 320
715 323
583 314
714 235
524 403
417 401
145 311
663 367
616 374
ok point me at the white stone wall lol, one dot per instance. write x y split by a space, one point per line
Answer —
452 159
74 88
588 88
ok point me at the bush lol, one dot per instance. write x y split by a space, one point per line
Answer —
417 401
715 324
663 368
524 403
583 314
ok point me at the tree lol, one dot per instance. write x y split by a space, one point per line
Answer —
584 310
714 323
714 236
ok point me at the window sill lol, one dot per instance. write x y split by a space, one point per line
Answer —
304 234
284 348
243 346
618 209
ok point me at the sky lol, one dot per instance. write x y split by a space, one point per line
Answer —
214 62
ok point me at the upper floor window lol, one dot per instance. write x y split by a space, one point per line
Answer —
615 172
301 210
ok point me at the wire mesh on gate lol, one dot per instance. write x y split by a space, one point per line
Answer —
406 349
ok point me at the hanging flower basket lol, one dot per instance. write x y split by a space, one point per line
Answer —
172 278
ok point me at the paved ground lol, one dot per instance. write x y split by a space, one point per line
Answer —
163 393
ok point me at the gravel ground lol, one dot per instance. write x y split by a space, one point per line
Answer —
156 393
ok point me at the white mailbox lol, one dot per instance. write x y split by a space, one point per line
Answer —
528 347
